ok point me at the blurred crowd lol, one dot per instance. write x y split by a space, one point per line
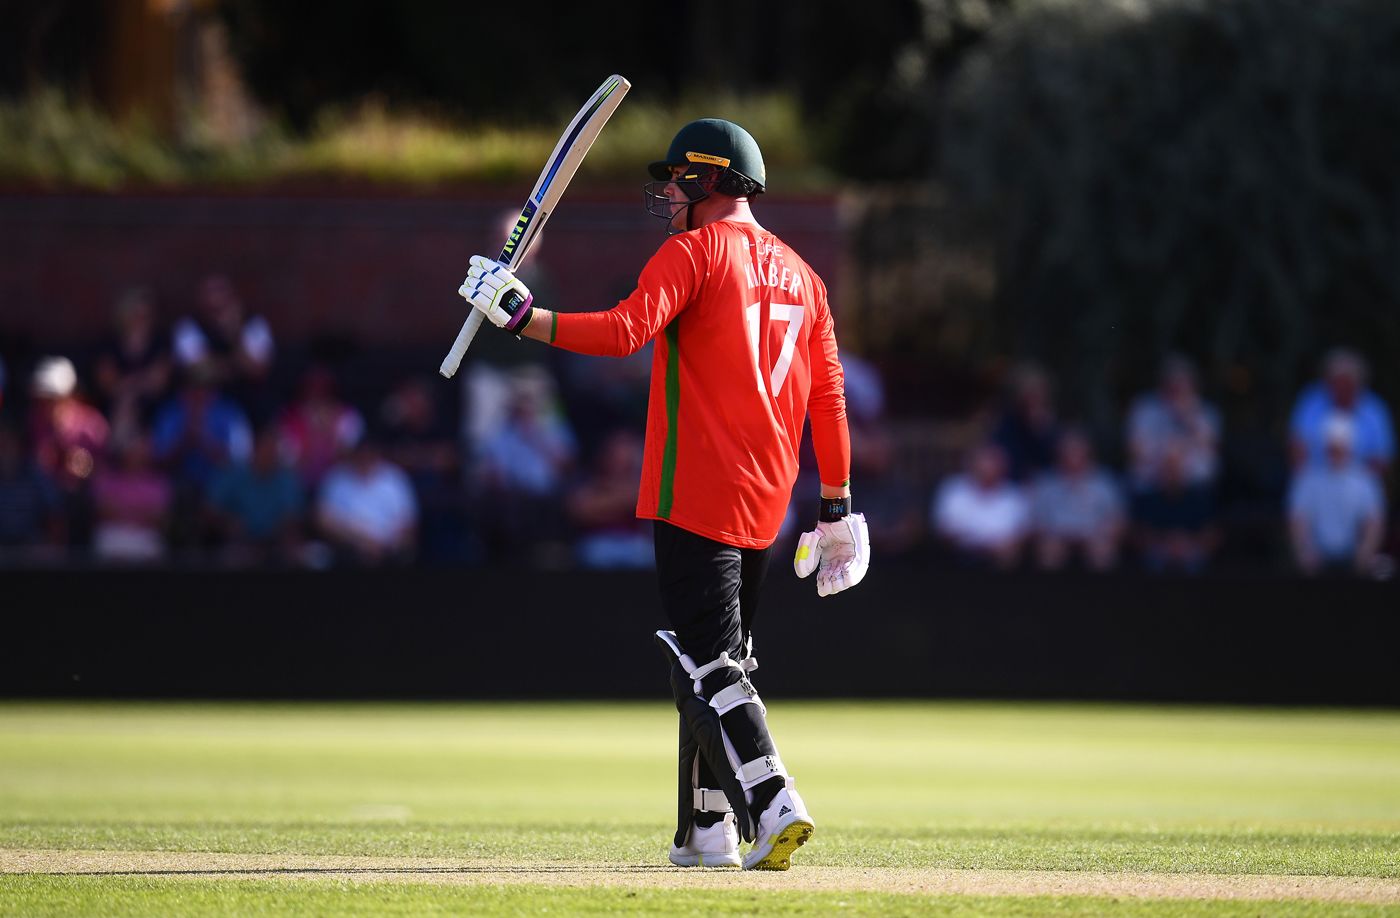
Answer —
1034 492
175 443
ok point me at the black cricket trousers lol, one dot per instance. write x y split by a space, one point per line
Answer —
709 590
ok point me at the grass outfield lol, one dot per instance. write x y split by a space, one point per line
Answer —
950 809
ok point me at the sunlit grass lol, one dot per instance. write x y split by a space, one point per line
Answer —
914 785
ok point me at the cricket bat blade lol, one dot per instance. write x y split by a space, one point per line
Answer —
558 171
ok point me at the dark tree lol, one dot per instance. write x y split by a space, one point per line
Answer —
1213 176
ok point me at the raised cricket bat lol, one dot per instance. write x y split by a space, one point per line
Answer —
558 170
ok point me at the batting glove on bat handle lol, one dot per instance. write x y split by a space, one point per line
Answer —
492 288
838 552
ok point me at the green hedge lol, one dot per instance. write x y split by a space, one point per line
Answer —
49 140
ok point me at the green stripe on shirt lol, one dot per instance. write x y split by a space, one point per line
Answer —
673 403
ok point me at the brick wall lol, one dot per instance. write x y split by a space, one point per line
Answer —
380 268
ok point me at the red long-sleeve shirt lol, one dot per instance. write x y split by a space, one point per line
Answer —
748 351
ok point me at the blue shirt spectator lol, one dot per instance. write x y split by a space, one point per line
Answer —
1173 417
1076 509
865 390
199 431
1342 391
1336 510
30 507
533 449
261 500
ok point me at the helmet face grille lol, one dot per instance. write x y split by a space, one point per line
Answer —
659 204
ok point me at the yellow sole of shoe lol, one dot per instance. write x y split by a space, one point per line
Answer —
791 838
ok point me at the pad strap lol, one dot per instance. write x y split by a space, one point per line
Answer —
760 770
700 672
711 801
748 664
730 697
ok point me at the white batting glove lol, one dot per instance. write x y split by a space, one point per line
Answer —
489 287
839 552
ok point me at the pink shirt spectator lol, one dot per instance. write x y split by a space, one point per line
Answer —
132 503
68 435
318 429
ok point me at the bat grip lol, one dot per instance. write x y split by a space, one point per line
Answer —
453 360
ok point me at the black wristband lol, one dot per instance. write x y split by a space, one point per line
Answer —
521 312
834 508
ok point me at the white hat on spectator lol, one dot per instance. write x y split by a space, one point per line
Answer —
1339 430
54 377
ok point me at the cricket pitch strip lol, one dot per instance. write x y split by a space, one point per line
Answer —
927 881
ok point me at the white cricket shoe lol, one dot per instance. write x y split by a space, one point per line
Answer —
783 828
716 846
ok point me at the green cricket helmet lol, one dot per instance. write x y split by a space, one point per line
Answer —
719 157
716 142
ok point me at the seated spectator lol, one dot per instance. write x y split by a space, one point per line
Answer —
318 427
257 506
1027 430
864 389
132 367
1077 510
603 508
530 452
198 431
232 349
366 509
602 396
891 501
68 435
980 513
132 501
1173 418
1336 511
418 436
1175 517
522 468
31 511
1343 391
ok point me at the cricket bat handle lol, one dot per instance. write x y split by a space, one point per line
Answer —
453 360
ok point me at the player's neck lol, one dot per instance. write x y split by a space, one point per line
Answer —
722 207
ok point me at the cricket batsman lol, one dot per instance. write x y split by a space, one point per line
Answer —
745 351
